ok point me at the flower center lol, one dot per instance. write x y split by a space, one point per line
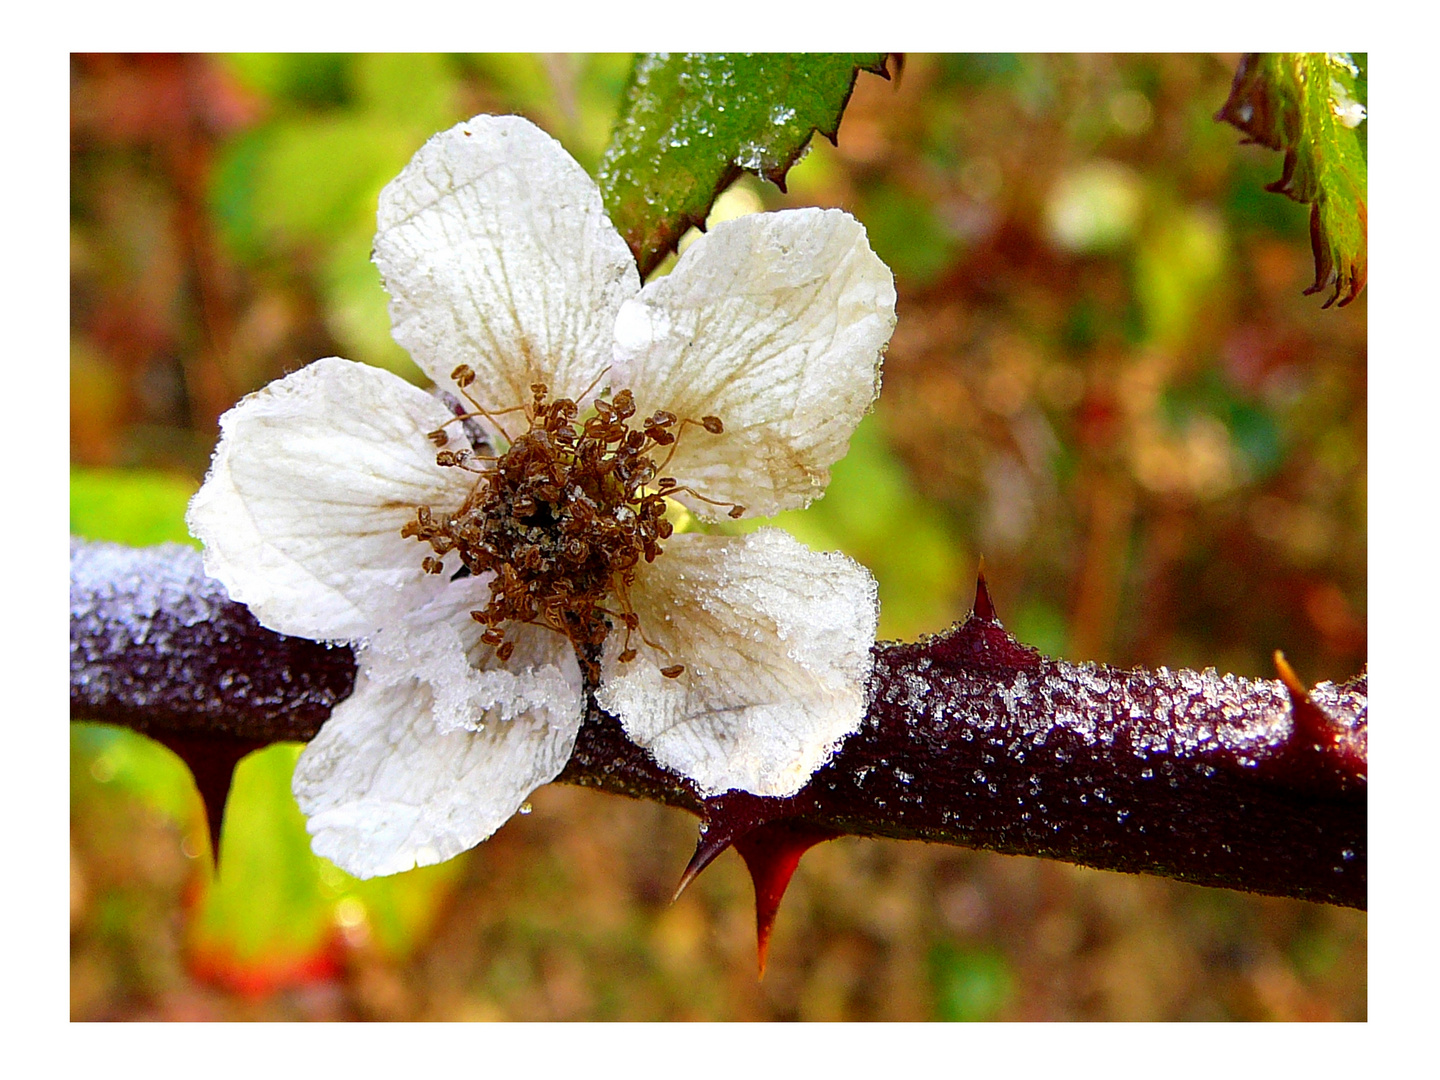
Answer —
562 518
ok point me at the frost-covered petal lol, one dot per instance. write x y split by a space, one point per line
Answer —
384 788
775 639
776 324
310 485
440 743
497 253
440 644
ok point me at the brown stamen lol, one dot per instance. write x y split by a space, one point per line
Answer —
562 518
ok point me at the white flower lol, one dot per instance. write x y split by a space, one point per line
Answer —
739 662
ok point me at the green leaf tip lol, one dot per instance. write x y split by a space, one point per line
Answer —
1313 107
690 123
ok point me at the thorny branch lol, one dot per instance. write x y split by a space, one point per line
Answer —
971 738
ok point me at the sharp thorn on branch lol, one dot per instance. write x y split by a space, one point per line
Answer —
984 607
212 763
772 852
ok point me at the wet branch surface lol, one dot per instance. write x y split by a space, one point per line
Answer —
971 738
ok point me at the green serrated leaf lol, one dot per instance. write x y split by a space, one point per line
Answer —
691 122
1313 107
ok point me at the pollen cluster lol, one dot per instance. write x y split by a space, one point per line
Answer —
562 518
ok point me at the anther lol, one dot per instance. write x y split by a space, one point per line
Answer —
562 519
712 424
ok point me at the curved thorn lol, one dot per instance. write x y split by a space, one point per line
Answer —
1313 730
707 850
1289 678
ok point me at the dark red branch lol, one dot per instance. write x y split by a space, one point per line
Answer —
971 738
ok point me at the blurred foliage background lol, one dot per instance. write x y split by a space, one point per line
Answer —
1105 379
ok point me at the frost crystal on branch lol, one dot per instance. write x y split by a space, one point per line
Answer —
739 662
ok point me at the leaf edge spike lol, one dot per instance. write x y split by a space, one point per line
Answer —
652 238
1259 106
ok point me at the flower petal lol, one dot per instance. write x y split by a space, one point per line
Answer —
498 254
384 789
775 323
313 479
775 639
440 644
